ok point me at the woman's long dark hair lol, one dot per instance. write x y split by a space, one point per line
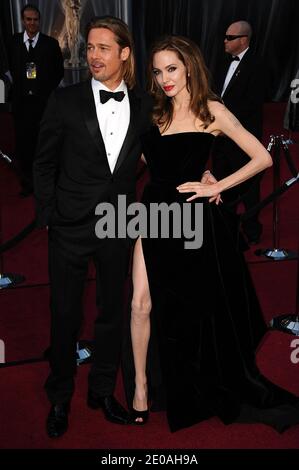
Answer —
197 77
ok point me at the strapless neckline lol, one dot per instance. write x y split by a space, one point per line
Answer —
183 133
178 157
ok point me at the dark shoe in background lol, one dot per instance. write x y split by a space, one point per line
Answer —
57 421
113 411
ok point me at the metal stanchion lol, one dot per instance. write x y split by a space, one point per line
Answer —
9 279
84 351
5 157
289 323
277 253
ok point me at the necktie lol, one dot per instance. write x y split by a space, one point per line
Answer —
30 50
232 58
106 95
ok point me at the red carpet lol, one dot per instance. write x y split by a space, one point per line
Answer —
23 424
24 327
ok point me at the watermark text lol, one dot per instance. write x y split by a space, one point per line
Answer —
2 92
295 354
295 91
157 220
2 351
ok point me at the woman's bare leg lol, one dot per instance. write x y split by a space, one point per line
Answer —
140 327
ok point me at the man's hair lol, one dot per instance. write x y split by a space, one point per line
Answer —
123 38
29 6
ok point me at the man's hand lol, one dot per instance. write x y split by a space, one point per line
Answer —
208 178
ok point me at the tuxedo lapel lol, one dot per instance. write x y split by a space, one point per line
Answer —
238 73
90 118
21 45
39 43
221 75
131 134
233 79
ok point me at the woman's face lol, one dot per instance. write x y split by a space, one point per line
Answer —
170 73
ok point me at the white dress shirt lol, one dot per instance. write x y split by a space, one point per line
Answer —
232 68
113 117
26 40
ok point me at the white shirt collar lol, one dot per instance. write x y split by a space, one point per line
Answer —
241 55
97 86
26 37
113 118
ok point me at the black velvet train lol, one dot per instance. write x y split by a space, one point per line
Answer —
206 318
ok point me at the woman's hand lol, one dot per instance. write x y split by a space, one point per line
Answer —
209 178
210 190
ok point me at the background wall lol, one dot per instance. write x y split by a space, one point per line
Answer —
275 24
53 17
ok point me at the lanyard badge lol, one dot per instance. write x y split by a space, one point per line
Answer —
31 70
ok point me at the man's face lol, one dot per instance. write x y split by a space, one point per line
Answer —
31 22
105 57
237 45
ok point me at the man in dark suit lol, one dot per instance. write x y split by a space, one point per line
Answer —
87 154
36 66
240 83
3 71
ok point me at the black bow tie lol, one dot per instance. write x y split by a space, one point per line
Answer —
232 58
106 95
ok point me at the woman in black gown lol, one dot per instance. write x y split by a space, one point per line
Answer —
204 309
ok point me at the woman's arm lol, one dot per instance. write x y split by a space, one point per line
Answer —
208 178
226 123
260 159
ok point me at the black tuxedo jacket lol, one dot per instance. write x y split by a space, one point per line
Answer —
71 170
244 95
49 62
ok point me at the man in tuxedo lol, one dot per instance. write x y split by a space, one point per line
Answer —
240 83
36 66
87 154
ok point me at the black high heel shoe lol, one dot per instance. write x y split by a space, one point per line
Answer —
135 414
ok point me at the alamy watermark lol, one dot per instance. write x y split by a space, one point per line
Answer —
2 351
159 220
295 91
2 92
295 354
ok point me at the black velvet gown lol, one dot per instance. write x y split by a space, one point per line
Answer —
206 318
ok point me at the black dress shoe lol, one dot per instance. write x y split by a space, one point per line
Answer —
57 421
113 410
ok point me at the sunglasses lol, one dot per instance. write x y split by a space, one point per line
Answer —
231 37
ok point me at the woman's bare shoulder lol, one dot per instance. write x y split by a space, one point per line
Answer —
216 108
